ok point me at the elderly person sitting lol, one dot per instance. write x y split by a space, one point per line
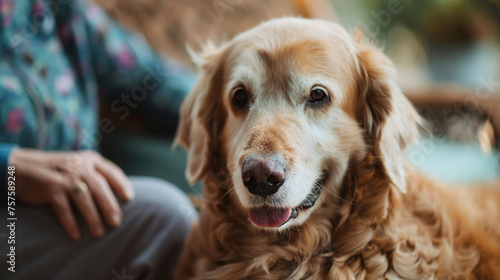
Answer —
57 59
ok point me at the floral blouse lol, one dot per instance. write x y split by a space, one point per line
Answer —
58 58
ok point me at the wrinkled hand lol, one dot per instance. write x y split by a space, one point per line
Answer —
86 178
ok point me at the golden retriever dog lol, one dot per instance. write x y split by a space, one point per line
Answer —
297 130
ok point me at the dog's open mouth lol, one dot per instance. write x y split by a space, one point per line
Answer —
269 216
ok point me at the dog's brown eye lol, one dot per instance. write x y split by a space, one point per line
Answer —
240 98
317 96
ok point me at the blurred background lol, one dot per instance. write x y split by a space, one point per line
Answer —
447 53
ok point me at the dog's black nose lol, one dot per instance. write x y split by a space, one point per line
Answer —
263 175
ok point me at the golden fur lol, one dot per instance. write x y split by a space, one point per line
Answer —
376 217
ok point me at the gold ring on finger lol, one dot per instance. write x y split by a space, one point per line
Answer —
81 187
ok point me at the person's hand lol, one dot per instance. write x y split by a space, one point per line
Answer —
86 178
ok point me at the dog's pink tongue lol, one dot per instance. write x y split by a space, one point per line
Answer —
269 216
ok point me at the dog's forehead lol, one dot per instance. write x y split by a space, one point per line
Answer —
280 55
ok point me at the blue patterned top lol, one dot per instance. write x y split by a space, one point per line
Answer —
57 59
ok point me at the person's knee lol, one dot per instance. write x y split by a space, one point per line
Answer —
164 201
156 223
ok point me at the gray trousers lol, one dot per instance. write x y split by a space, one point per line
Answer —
145 246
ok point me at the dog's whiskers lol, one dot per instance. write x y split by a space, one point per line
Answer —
223 183
355 190
224 195
341 198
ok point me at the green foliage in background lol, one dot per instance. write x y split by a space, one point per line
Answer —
443 21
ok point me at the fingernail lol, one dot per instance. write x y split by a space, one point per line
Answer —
99 232
115 220
76 236
130 194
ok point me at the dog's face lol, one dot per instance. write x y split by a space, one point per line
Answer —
285 107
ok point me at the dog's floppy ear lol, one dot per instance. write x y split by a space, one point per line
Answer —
390 121
203 115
